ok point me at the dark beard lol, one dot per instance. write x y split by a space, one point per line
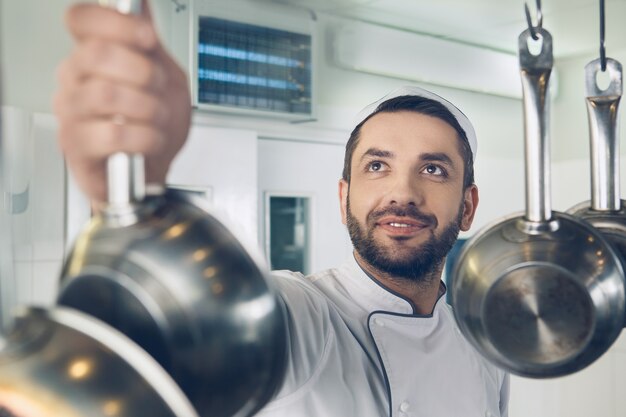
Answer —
417 266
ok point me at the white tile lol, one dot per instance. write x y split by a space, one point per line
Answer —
48 250
22 233
22 251
23 284
48 191
45 282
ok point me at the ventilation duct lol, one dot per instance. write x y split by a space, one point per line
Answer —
406 55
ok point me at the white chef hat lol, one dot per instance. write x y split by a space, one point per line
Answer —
417 91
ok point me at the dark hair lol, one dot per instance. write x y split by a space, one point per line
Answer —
420 105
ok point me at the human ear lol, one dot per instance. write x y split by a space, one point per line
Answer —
343 199
470 202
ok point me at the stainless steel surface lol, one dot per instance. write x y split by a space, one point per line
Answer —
540 294
606 211
536 71
177 282
125 180
602 111
171 277
61 362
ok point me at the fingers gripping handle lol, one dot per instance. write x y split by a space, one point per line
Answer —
125 173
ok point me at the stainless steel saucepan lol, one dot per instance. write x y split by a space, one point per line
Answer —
61 362
174 279
606 211
539 294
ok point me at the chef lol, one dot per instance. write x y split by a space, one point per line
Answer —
372 337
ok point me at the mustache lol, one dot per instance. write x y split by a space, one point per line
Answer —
409 211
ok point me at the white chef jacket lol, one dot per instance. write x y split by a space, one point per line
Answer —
357 349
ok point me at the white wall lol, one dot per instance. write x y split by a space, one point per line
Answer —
569 123
34 180
225 162
33 43
313 170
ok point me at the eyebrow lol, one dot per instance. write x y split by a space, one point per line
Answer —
437 157
379 153
429 156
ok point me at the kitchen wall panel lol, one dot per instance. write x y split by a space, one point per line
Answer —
590 392
619 387
45 281
312 169
225 162
35 179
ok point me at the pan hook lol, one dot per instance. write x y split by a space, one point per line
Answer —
532 28
602 31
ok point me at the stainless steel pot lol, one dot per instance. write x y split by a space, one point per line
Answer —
178 283
61 362
606 211
539 294
171 277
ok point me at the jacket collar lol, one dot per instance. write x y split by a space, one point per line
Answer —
371 295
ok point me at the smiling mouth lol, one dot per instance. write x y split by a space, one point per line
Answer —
394 224
401 227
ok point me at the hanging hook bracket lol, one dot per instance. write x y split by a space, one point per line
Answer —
533 28
179 6
602 31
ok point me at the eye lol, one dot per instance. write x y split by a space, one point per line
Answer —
433 169
375 166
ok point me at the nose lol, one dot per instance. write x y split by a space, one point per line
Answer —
405 191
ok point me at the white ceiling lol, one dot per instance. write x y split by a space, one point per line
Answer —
574 24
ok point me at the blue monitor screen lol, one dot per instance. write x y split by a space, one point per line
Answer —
243 65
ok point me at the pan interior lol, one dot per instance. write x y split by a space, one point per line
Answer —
117 305
538 314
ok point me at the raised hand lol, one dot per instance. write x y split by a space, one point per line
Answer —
119 90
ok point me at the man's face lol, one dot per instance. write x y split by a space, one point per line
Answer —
405 203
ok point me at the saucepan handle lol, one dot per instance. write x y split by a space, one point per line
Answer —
602 111
535 73
125 173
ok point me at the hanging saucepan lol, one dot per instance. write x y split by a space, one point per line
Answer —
62 362
170 276
606 211
539 294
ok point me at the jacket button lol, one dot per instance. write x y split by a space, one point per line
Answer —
405 406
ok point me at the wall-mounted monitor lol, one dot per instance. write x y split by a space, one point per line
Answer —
252 61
